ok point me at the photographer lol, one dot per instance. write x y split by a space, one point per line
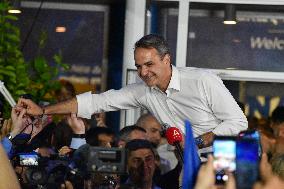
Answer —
95 137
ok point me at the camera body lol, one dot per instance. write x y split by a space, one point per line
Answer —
102 165
107 160
43 171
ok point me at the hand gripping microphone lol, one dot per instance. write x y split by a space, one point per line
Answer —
174 137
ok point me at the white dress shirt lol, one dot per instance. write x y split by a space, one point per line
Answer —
193 94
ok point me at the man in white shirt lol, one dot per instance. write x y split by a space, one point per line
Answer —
171 94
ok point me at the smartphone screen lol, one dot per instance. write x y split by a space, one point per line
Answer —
247 161
252 134
224 152
28 159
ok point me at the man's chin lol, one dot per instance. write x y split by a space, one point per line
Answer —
150 84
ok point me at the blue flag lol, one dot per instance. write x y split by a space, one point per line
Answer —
191 159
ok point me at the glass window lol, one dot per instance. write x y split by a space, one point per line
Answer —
78 31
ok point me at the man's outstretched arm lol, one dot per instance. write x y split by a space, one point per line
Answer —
66 107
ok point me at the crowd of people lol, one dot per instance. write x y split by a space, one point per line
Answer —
62 150
151 161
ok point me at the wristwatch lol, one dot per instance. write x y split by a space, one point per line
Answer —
10 137
199 141
78 135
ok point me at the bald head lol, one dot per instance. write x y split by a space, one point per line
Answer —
152 126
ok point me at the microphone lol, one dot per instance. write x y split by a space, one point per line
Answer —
174 137
164 126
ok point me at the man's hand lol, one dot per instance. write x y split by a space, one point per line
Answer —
64 150
206 175
76 124
18 121
207 140
269 180
32 108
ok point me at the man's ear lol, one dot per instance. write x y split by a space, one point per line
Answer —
121 143
167 59
281 131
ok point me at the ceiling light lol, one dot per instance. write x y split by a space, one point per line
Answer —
15 8
230 14
60 29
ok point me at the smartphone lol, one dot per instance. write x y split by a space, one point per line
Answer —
247 161
28 159
252 134
224 152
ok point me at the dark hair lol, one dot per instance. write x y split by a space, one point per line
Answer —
153 41
92 135
62 135
68 86
137 144
278 115
125 132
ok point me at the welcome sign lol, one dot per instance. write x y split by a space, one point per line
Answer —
255 44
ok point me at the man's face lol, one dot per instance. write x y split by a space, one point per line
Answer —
153 130
105 140
141 165
152 69
278 129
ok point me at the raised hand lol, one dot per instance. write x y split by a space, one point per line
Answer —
31 107
18 120
76 124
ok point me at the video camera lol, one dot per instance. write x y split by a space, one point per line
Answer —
107 160
43 171
102 165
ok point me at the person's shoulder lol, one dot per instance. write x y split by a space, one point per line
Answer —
195 73
139 85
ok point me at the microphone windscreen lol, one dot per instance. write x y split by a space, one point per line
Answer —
173 135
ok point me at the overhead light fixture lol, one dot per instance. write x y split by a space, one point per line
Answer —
60 29
15 8
230 14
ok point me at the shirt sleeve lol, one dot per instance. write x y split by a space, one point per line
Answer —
126 98
7 145
223 106
77 142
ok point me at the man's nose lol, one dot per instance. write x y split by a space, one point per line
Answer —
144 71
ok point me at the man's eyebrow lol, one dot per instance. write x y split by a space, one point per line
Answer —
143 63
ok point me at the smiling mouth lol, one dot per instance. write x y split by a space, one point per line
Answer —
147 79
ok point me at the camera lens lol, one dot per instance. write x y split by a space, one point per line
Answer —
37 175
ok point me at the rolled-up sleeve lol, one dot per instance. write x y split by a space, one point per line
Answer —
112 100
84 105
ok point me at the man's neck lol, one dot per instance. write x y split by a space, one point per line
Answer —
167 80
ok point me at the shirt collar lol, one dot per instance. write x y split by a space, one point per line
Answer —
175 79
174 82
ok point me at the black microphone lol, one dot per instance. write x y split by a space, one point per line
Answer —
174 137
165 126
